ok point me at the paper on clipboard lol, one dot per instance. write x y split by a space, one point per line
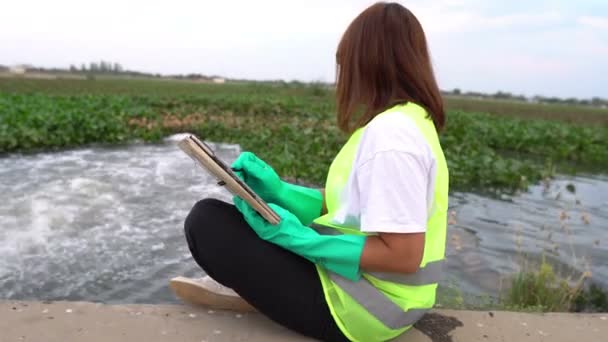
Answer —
204 155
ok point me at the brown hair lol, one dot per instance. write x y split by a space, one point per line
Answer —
383 60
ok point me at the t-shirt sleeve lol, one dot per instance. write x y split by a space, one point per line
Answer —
393 192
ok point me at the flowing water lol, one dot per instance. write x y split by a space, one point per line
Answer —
106 224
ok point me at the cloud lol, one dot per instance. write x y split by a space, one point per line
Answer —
600 23
462 21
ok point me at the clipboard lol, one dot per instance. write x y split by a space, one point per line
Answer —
205 157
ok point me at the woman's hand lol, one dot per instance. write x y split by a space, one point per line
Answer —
338 253
264 229
305 203
258 175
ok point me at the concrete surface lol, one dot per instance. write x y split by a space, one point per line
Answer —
80 321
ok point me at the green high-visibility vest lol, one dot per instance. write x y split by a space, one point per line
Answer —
381 306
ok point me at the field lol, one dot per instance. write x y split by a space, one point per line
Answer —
571 114
490 145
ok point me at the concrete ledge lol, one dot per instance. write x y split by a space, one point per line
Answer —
81 321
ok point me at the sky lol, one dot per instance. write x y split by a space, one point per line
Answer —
534 47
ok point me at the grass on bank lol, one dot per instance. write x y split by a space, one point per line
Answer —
541 289
541 286
538 287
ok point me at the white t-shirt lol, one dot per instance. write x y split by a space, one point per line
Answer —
391 185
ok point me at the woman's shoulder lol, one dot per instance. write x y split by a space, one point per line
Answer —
393 130
394 136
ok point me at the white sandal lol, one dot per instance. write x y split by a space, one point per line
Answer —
208 292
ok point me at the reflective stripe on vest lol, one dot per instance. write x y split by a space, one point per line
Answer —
431 273
374 301
377 304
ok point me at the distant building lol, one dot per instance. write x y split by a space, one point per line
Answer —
219 80
17 69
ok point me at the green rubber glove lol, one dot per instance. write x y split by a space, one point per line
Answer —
338 253
305 203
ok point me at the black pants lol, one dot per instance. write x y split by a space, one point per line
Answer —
281 285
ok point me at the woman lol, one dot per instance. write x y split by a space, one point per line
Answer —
359 260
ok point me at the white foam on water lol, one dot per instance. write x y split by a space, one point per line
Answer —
98 224
176 137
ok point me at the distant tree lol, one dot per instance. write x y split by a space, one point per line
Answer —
103 66
502 95
117 68
296 84
73 68
94 67
83 67
538 99
456 91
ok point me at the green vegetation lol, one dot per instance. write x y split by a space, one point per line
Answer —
541 288
577 114
29 122
593 298
290 126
